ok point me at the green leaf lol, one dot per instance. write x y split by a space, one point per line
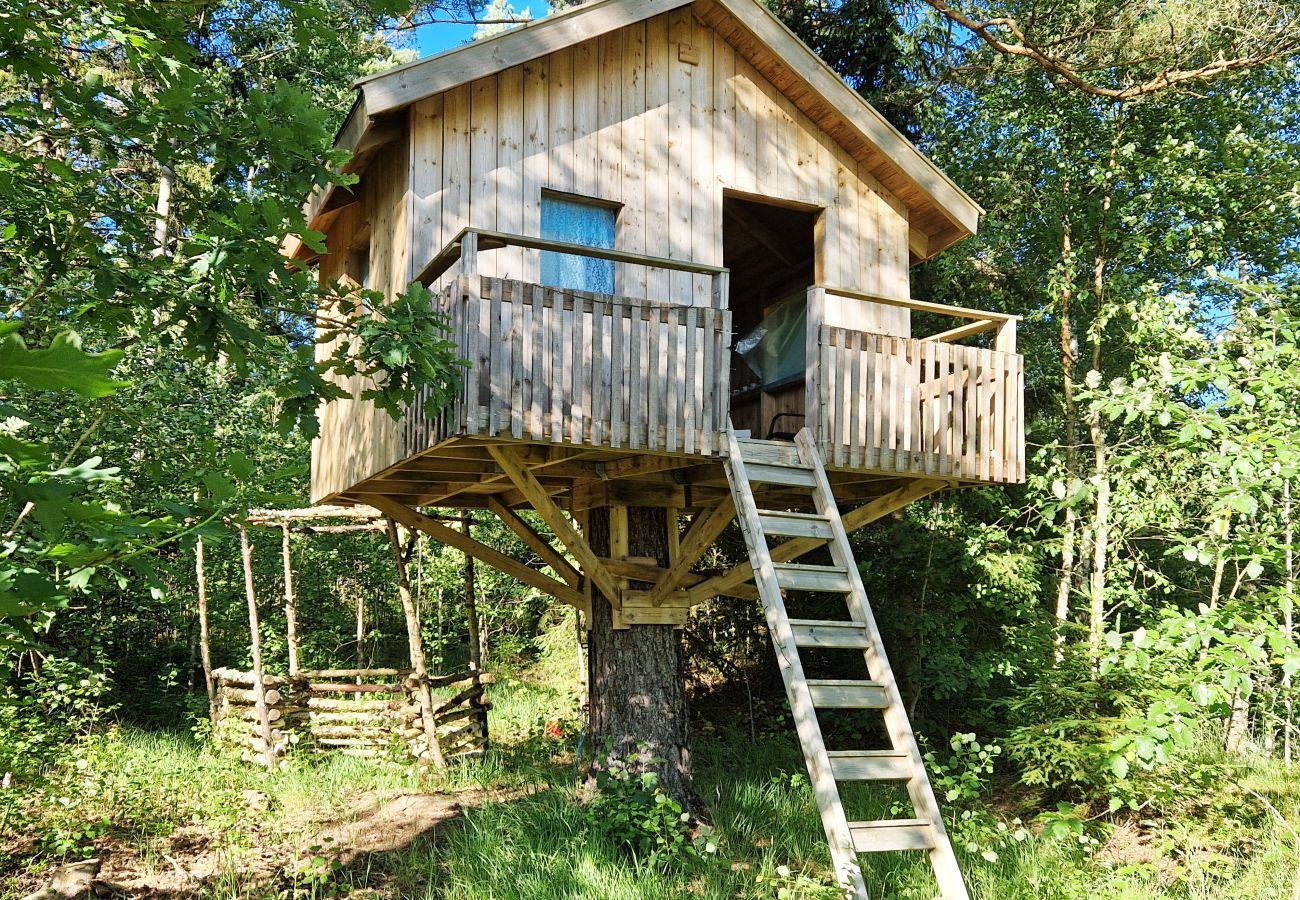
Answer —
61 366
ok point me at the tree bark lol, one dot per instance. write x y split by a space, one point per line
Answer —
1288 623
471 605
205 639
415 644
636 676
1069 355
290 603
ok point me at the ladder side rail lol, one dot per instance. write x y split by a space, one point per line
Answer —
834 821
942 857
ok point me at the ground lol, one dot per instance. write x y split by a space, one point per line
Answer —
170 816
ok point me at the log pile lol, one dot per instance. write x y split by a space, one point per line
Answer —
374 713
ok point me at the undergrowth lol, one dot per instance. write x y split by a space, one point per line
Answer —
527 829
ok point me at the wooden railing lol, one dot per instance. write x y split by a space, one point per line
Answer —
573 367
924 406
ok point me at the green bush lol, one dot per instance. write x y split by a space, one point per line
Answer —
631 810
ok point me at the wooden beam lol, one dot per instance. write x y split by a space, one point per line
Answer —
759 231
979 326
699 538
793 549
527 484
636 570
426 77
495 558
939 309
540 545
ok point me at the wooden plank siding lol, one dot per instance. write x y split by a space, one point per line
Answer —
660 118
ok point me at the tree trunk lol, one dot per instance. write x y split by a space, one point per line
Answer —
636 676
1069 354
205 639
415 646
1288 623
290 602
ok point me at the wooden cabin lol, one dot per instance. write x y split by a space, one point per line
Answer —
667 238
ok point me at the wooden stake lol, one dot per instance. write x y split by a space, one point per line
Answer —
290 603
255 632
471 605
416 642
205 644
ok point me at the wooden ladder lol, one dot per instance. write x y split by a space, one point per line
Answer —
798 467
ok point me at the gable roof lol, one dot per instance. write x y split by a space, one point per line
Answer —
940 213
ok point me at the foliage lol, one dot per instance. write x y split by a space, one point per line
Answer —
631 810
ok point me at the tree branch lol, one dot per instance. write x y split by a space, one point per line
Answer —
989 29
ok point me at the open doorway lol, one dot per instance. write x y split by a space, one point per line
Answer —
770 248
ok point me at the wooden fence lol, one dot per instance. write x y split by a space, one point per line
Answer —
358 712
572 367
923 407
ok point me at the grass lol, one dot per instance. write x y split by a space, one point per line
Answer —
524 832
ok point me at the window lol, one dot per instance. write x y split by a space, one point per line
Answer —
576 220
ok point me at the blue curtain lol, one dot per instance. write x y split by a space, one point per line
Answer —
578 222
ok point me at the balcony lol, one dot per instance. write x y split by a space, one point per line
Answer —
608 376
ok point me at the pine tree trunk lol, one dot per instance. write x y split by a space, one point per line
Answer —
636 676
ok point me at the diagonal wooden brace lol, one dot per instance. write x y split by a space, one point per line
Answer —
699 538
495 558
540 545
527 484
864 515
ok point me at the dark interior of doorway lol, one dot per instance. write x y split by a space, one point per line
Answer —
770 249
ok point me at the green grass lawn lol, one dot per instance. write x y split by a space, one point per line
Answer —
170 813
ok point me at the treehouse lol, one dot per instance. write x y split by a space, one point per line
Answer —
674 249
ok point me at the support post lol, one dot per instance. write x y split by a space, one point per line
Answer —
255 632
471 602
415 641
290 604
205 641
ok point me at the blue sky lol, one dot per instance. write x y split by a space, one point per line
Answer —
431 39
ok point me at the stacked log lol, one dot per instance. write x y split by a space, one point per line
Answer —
238 723
373 713
462 717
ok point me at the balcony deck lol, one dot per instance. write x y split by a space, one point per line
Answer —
614 400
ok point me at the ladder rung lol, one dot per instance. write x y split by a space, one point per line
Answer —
793 476
777 453
835 693
830 634
870 765
892 834
795 577
790 524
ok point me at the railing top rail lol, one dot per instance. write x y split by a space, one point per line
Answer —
959 312
495 240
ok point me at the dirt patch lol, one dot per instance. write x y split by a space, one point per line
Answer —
254 852
381 822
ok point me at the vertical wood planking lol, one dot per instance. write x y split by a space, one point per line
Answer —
483 194
632 134
536 158
537 366
636 370
586 119
426 183
658 158
706 205
509 175
681 136
559 90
